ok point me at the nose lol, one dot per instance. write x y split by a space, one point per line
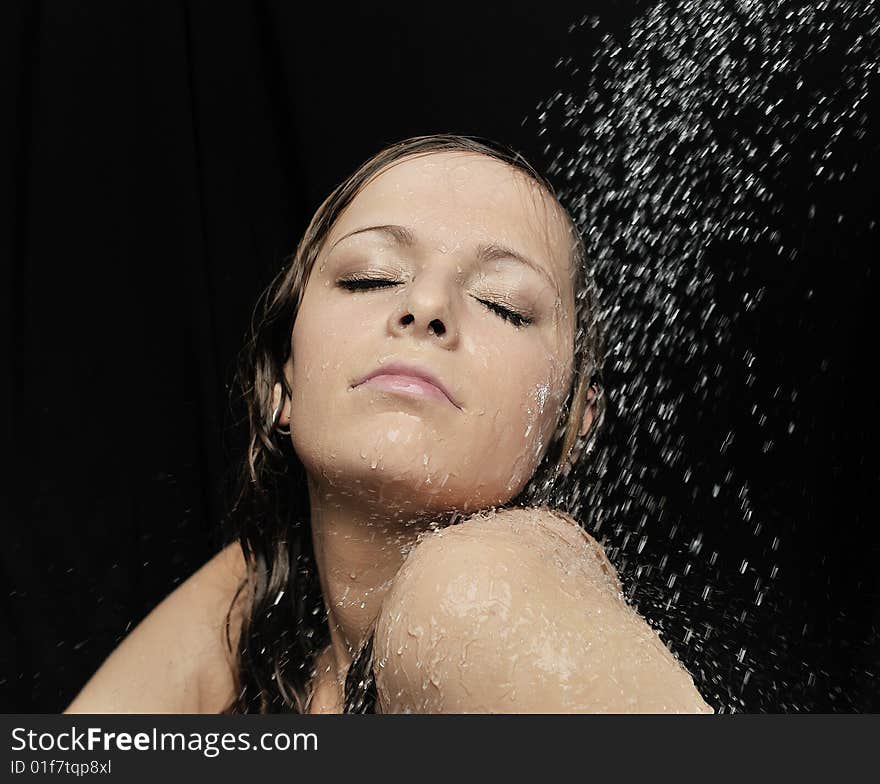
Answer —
426 311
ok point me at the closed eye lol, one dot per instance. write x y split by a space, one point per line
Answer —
517 319
365 284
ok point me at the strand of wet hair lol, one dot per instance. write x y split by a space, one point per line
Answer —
360 682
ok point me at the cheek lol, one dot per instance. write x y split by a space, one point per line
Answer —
525 376
320 347
524 384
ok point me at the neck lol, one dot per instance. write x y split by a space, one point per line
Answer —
359 548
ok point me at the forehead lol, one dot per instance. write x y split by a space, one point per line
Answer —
452 199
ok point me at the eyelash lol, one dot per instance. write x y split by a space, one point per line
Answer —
366 284
359 284
517 319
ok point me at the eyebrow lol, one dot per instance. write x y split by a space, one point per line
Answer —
486 251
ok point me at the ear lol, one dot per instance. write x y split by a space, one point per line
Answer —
589 412
586 424
279 398
276 401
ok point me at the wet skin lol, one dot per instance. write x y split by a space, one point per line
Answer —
473 284
520 612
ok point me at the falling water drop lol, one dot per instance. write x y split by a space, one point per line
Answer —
701 148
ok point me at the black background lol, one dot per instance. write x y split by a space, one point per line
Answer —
161 160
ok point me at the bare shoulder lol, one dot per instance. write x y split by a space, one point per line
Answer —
177 659
520 612
554 525
540 532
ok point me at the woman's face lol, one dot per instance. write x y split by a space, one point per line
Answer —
471 284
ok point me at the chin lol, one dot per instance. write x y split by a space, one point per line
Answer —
408 488
409 464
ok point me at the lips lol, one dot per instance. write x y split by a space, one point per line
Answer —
395 375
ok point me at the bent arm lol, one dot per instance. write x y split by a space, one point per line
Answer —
176 659
520 612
